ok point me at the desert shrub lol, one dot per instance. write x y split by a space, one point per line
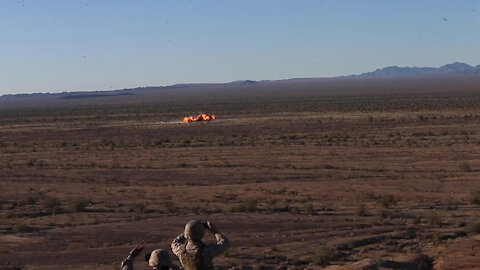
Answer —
383 212
386 201
32 197
417 220
139 208
259 267
309 210
10 214
294 210
465 167
226 164
250 205
434 219
324 255
182 165
361 210
13 205
436 238
21 227
474 197
115 165
196 209
30 200
451 203
423 262
472 228
79 205
283 208
170 207
51 203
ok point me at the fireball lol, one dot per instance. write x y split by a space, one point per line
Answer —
201 117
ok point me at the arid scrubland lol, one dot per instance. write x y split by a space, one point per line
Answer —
293 182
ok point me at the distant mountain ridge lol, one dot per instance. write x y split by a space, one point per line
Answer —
455 68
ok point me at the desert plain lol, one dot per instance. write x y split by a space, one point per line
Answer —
300 175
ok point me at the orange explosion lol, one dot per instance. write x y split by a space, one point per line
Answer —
202 117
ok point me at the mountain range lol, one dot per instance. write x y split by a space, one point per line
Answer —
456 68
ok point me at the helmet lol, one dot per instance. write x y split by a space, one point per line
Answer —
194 230
158 258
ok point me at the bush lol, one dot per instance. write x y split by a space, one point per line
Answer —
21 227
51 203
10 214
324 255
361 210
30 200
139 208
196 209
423 262
79 205
436 238
474 197
250 205
386 201
32 197
434 219
417 220
309 210
182 165
451 203
472 228
384 213
465 167
170 207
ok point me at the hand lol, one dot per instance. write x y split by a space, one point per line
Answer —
136 251
211 227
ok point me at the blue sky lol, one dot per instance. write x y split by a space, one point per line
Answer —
66 45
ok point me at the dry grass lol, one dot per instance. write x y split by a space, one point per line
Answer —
274 183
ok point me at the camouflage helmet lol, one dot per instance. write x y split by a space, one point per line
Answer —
159 258
194 230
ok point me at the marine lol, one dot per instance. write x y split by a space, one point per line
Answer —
158 259
192 252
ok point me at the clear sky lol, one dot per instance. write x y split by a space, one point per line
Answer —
67 45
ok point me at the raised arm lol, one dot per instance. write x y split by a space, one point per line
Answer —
221 245
177 244
127 264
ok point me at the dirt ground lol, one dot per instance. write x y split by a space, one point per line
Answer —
300 190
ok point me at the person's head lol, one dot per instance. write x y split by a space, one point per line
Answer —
194 230
158 259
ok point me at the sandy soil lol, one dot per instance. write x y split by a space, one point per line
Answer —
369 186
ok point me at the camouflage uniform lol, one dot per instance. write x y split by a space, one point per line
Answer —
189 248
158 258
